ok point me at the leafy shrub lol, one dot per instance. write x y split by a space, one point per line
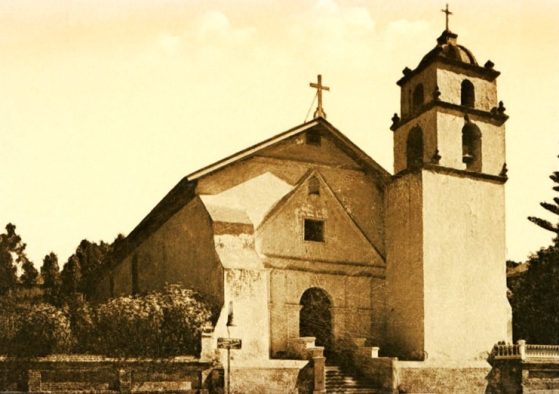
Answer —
42 329
159 324
165 323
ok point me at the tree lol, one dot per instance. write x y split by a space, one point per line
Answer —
30 273
71 276
50 272
534 291
12 252
535 298
8 277
93 257
551 207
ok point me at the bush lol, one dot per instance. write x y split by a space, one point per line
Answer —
159 324
42 329
166 323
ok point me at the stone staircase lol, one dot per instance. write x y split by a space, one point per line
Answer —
338 381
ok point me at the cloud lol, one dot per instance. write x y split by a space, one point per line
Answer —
170 43
216 26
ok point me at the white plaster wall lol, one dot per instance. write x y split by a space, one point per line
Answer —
466 309
427 77
493 148
450 85
283 232
248 290
449 136
359 194
404 270
181 251
428 123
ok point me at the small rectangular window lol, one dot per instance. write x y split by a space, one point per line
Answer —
313 138
314 186
314 230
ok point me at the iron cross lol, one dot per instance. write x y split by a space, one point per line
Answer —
447 12
319 88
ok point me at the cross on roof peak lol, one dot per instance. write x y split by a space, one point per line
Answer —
447 13
319 113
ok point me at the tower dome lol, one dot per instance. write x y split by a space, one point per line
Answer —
448 48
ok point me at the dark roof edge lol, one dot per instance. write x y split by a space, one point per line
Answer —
367 160
178 197
500 179
219 163
496 118
362 157
432 57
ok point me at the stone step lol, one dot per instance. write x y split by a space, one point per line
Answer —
168 386
74 386
81 392
339 381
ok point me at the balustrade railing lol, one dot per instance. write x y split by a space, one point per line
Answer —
523 351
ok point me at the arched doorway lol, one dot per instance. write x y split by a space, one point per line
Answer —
315 318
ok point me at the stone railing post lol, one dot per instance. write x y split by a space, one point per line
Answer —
319 369
33 380
522 348
207 349
124 381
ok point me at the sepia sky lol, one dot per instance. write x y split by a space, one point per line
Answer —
105 105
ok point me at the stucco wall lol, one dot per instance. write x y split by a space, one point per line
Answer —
427 121
358 192
246 294
181 251
449 131
427 77
450 80
404 269
420 377
466 309
283 232
357 304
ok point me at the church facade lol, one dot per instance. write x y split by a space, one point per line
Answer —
305 235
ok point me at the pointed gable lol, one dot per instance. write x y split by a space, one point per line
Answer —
333 149
312 224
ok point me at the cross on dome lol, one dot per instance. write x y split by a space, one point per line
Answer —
447 13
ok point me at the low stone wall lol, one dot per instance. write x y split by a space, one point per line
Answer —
99 374
424 377
382 371
518 376
272 377
524 368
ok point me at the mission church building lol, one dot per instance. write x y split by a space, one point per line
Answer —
305 227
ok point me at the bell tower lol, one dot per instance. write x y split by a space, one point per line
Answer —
446 277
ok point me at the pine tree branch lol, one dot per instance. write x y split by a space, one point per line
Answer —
550 207
544 224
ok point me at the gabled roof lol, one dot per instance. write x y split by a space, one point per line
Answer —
185 190
342 141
